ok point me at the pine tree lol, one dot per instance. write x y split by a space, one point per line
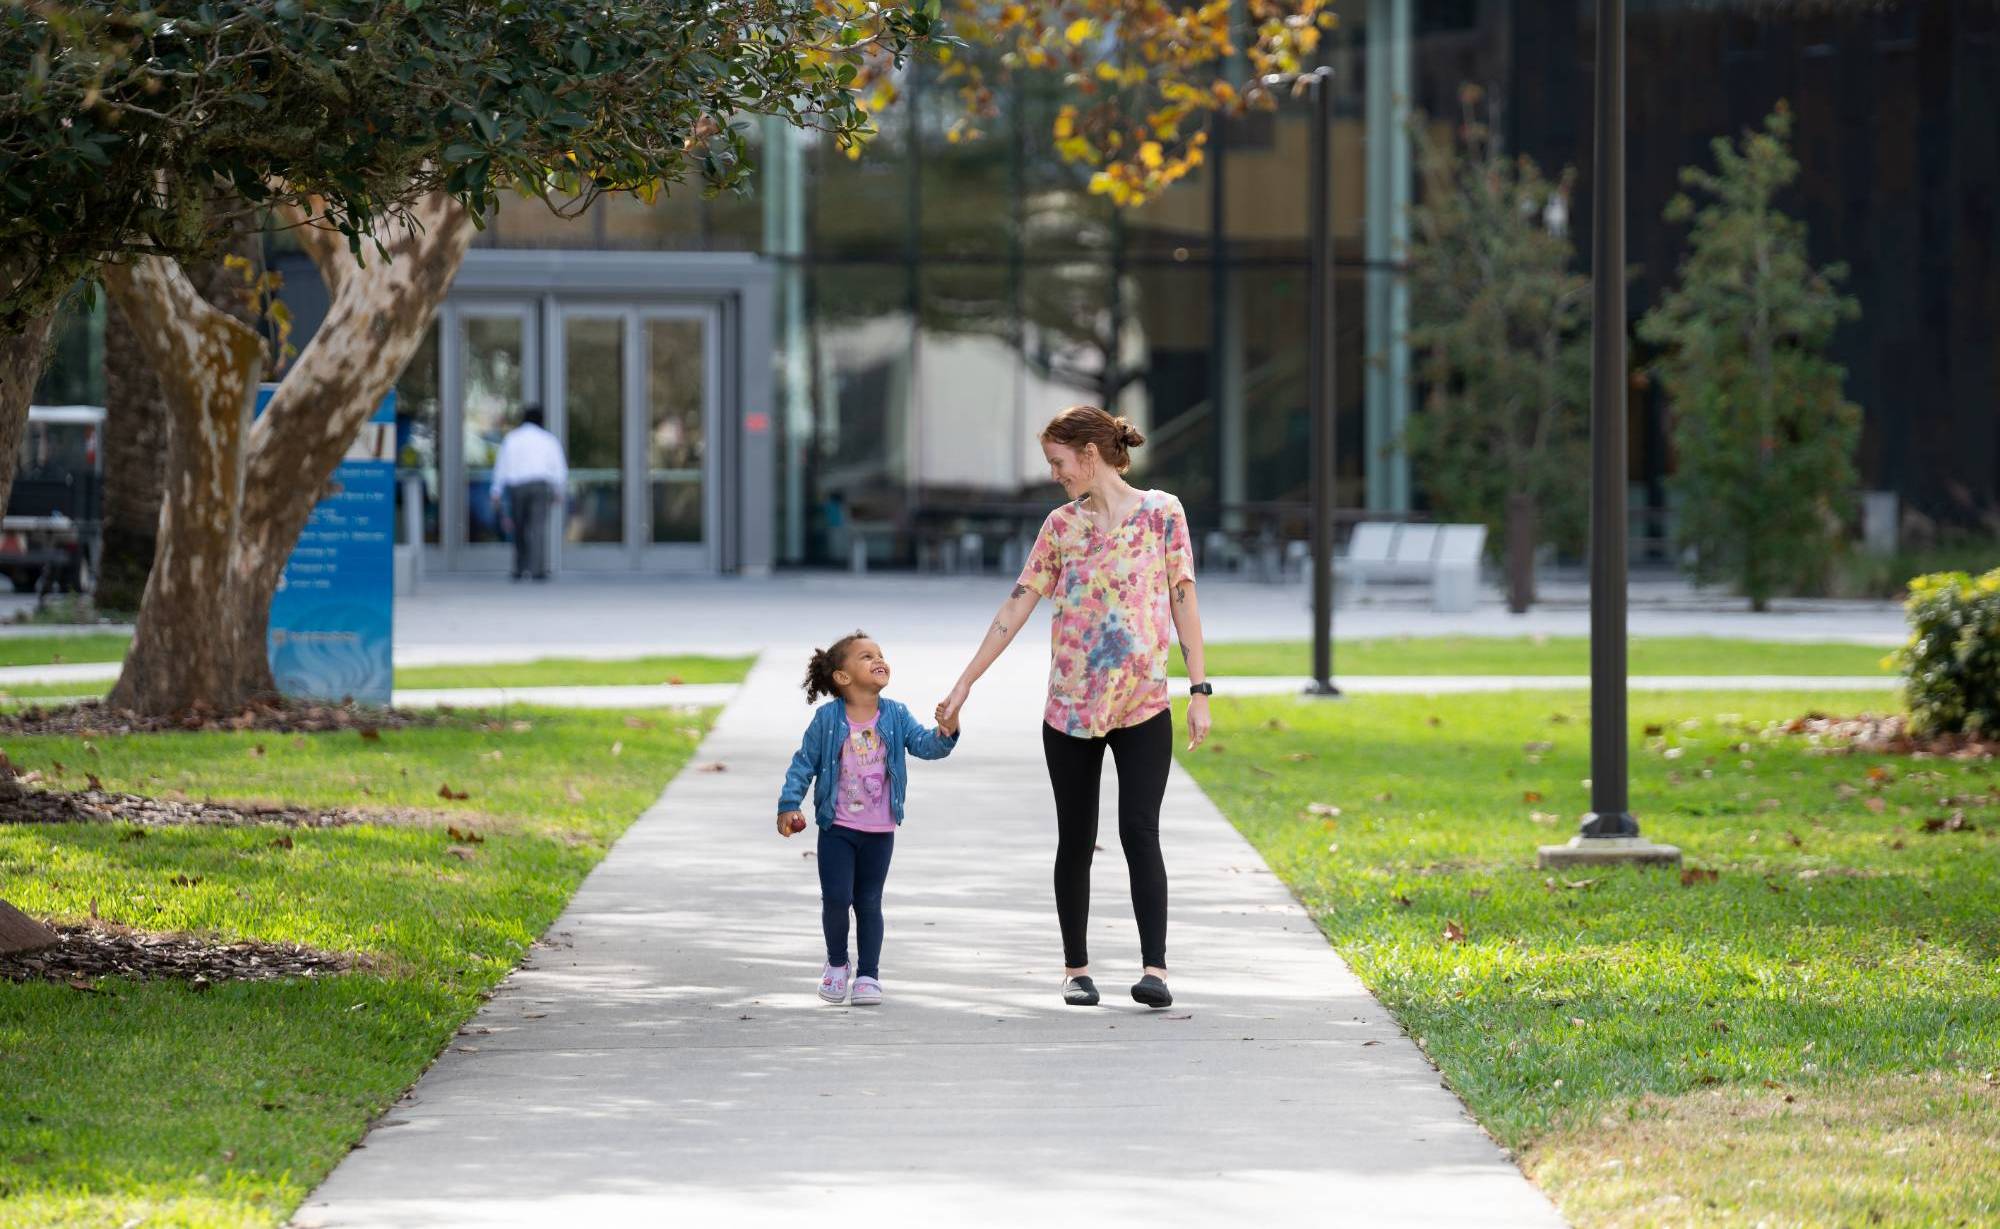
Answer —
1499 322
1763 438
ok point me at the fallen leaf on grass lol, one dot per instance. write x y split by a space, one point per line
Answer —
1262 771
283 842
1957 822
618 748
257 752
1326 809
1300 757
521 727
1531 796
370 734
447 792
132 834
1434 722
640 723
1654 731
464 853
1543 817
94 782
1454 933
1540 746
185 881
495 755
1875 804
1697 874
1579 885
674 680
1403 902
467 835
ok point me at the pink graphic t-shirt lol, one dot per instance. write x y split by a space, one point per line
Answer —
862 792
1113 615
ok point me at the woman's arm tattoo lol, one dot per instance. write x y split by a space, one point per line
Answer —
1000 627
1019 590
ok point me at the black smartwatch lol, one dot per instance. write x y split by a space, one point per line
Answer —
1201 689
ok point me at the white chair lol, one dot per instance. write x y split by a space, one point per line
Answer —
1455 579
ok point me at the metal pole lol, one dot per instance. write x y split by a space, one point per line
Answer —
1610 813
1320 378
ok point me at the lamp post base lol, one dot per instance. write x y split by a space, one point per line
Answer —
1326 689
1607 851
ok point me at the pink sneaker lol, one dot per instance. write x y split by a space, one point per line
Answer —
867 992
833 983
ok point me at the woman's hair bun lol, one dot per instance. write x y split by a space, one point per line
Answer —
1129 435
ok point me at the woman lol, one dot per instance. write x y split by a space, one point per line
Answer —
1116 561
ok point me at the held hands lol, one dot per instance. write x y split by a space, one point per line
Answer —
1197 721
790 822
947 709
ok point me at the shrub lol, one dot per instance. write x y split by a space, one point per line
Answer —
1951 664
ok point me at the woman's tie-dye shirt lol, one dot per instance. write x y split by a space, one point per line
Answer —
1113 613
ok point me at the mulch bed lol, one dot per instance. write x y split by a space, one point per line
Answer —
96 719
86 953
23 804
1887 735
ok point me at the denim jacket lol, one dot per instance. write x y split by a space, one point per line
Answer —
817 761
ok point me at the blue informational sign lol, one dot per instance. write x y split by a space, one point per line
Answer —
333 617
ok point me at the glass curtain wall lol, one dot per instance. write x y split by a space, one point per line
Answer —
938 301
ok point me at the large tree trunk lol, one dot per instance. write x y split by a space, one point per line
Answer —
208 363
22 355
377 318
135 433
21 933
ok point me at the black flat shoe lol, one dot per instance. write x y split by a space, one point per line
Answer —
1153 992
1079 991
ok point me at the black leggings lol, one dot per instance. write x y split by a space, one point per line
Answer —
1143 754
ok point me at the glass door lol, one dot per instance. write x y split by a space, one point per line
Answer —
595 389
679 414
638 400
492 369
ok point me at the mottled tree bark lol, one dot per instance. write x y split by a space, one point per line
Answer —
22 355
277 468
185 649
135 434
21 933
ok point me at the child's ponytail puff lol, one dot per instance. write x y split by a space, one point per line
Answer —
819 671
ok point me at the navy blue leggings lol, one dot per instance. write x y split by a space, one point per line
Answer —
852 866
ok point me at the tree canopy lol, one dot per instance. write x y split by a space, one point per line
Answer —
118 117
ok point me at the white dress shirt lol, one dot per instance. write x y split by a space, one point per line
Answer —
529 454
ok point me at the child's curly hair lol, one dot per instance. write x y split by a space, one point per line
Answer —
819 671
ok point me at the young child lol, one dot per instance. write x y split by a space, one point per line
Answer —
853 755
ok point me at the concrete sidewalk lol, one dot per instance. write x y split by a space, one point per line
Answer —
662 1059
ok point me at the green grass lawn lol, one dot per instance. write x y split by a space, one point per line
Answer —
548 672
572 672
63 650
1540 655
1811 1037
225 1107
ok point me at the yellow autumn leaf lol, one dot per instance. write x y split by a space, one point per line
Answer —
1107 71
1149 154
1080 29
1065 123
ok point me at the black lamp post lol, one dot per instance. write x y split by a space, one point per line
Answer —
1320 399
1610 811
